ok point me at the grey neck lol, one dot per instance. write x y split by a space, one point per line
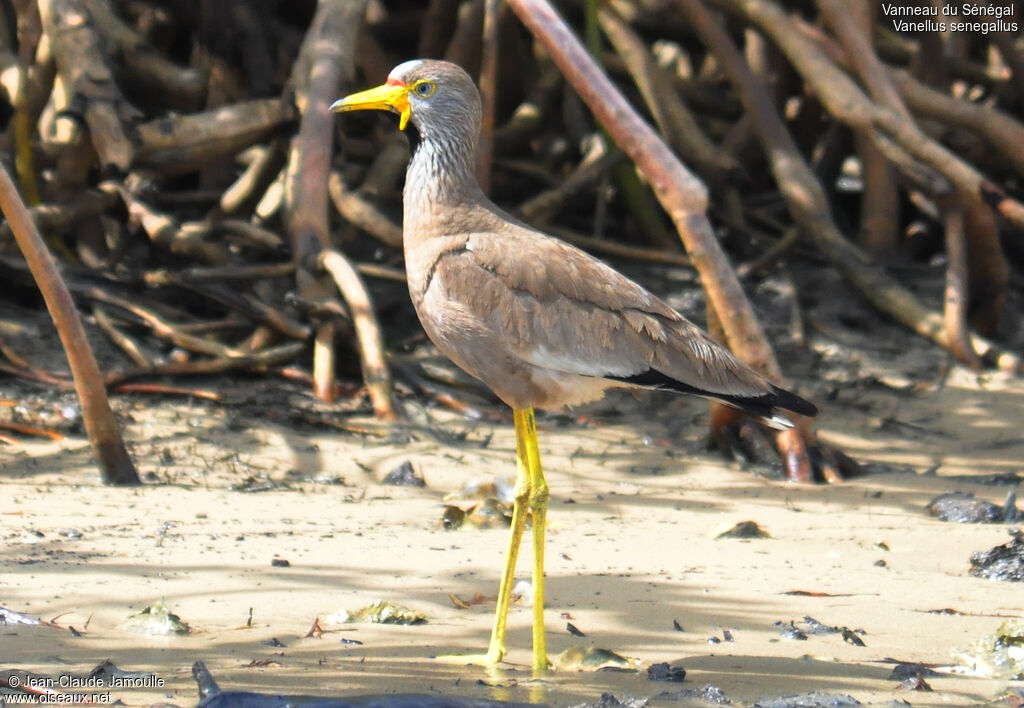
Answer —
441 173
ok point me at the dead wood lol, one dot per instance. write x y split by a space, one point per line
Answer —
263 167
674 119
122 340
362 213
488 83
465 45
438 23
1003 133
27 79
54 217
189 240
325 62
88 80
368 335
171 85
955 309
606 247
176 144
527 119
809 206
880 205
218 274
115 465
258 361
597 161
161 327
845 101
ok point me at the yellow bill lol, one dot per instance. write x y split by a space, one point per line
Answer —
392 96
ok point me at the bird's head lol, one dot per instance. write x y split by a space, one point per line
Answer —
436 96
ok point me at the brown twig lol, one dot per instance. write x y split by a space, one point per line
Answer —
846 102
880 203
528 117
187 240
675 120
770 256
55 217
438 24
620 250
1001 131
251 235
176 144
323 361
387 169
1011 53
175 86
88 78
115 465
985 275
27 86
374 270
34 430
956 290
464 47
928 55
326 60
488 83
157 278
165 390
440 394
362 213
251 361
259 173
249 306
368 336
37 375
595 164
163 329
125 343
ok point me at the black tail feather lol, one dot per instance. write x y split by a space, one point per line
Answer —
763 406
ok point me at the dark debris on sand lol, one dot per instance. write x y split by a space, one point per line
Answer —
814 699
964 508
1004 562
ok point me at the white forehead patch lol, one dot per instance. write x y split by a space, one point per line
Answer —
404 68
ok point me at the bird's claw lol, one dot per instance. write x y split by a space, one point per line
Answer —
489 659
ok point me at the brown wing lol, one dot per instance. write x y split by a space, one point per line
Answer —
560 309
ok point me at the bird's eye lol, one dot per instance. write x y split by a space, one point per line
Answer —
424 88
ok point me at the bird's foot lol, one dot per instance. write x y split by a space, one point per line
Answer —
491 658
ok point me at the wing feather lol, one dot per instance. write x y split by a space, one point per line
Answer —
563 310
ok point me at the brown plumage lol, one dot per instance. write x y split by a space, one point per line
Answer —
539 321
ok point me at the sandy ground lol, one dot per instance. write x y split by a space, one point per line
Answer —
637 503
631 549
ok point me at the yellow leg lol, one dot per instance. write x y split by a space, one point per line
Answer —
527 431
531 495
496 647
